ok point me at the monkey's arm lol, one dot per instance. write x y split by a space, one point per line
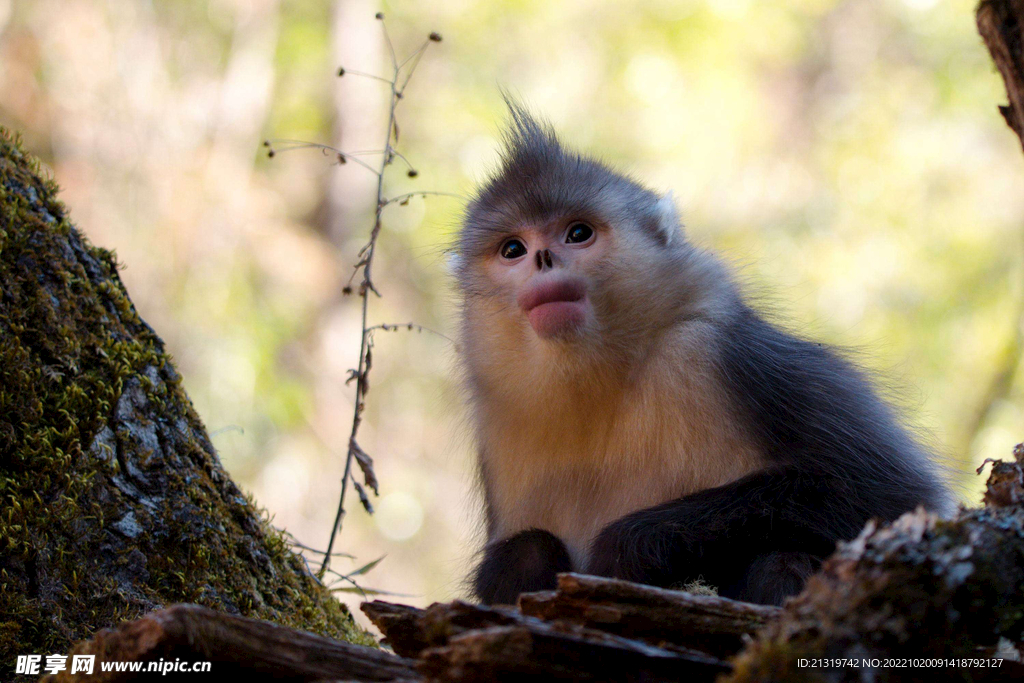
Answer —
836 454
717 533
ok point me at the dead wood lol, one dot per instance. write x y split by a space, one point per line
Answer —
709 623
472 642
400 625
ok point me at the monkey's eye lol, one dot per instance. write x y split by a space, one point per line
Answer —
578 232
512 249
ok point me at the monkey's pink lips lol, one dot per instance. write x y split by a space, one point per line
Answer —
555 307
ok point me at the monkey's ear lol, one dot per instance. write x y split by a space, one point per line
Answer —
666 217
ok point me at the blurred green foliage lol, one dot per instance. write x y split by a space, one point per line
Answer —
847 156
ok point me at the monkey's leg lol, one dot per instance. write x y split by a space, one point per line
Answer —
772 578
717 534
522 563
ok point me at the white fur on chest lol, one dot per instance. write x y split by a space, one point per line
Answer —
571 458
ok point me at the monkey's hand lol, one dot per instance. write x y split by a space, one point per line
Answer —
522 563
717 533
648 546
709 533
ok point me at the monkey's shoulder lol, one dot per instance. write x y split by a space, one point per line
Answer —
812 408
778 377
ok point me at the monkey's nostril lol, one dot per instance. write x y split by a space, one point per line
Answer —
547 259
539 259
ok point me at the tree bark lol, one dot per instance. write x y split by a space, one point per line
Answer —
114 500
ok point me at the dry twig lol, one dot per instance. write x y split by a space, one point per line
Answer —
402 73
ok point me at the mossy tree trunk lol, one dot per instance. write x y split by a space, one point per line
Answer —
113 499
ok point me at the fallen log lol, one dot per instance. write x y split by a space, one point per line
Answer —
548 653
483 643
410 630
400 625
709 623
661 617
461 641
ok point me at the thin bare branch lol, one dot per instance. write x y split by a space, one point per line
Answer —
394 327
387 39
364 265
350 72
341 156
404 198
317 551
416 56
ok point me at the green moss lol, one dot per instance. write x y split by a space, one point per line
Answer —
113 499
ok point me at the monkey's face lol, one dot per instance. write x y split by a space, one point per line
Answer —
573 281
548 267
562 260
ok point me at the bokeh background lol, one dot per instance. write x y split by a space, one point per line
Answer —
847 156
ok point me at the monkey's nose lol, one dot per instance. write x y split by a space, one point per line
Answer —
544 259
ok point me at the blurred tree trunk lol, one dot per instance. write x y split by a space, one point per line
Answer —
360 116
1001 25
114 500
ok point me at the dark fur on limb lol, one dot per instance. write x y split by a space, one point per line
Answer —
529 561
